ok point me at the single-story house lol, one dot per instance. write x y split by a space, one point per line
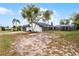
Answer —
38 27
65 27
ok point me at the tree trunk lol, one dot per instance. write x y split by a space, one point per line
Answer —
32 29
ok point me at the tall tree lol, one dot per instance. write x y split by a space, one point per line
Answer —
33 14
75 18
64 21
67 21
16 23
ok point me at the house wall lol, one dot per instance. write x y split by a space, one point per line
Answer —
28 29
65 28
36 28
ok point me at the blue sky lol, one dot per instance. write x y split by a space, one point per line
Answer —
8 11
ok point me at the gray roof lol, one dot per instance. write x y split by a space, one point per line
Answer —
40 24
26 25
72 25
43 24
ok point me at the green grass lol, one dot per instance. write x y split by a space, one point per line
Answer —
5 31
5 44
72 36
6 41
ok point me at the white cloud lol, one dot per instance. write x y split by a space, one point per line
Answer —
43 9
19 11
55 17
4 10
56 14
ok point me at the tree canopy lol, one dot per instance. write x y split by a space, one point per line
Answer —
33 14
64 21
75 17
15 21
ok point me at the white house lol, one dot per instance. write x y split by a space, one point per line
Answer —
38 27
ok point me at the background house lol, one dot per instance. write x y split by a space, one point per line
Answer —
65 27
24 27
69 26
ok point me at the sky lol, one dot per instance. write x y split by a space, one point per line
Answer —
8 11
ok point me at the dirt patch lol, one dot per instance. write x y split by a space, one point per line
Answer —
41 44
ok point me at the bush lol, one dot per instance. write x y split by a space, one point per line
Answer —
3 28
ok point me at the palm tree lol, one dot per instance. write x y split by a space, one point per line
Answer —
33 14
47 16
61 21
75 19
16 23
67 21
64 21
13 21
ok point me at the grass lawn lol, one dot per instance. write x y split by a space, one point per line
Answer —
4 31
72 36
9 31
5 44
6 41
